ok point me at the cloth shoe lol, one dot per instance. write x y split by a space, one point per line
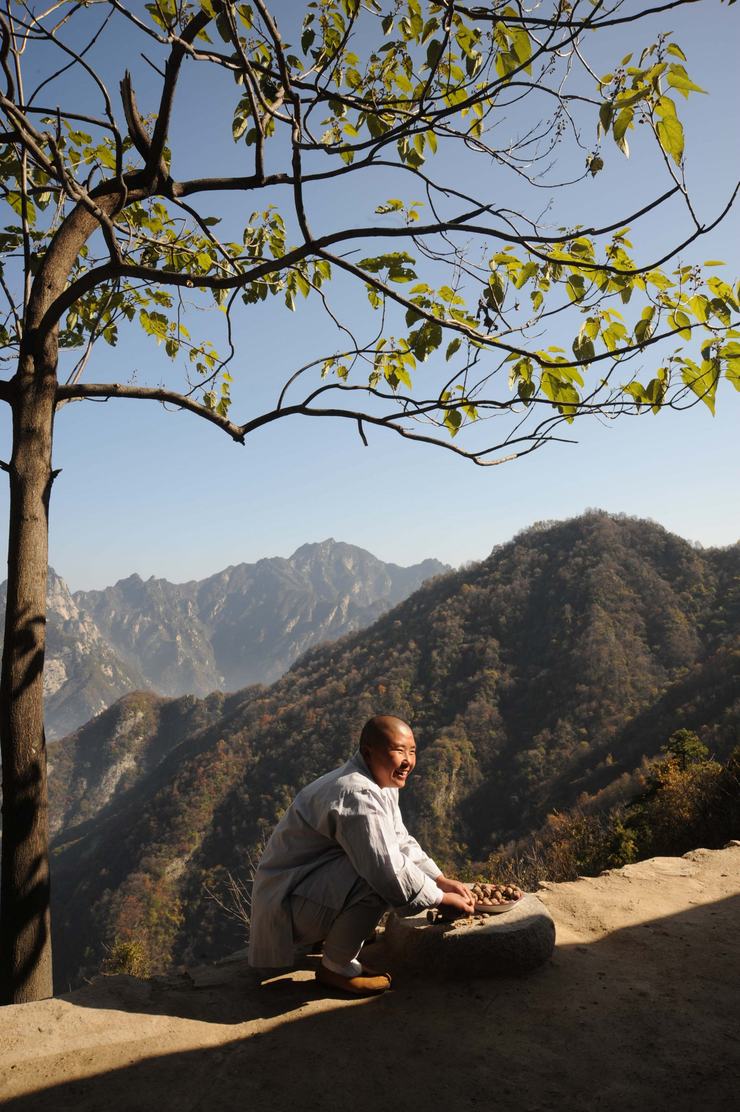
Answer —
369 983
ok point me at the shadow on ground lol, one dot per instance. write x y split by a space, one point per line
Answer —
644 1018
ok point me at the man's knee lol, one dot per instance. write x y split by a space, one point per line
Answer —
362 893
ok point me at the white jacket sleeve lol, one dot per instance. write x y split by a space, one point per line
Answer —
366 833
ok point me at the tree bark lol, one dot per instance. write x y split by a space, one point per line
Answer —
25 936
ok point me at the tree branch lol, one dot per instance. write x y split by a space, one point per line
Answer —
362 418
569 24
136 129
172 70
106 390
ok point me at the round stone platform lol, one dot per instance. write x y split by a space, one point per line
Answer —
477 946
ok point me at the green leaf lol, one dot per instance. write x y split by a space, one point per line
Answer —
575 287
679 80
670 136
453 420
452 347
434 50
680 320
702 380
242 116
605 116
622 123
645 326
15 200
308 37
583 348
105 156
561 393
699 307
425 339
724 290
732 373
521 46
495 292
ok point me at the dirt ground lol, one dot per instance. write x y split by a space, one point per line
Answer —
637 1009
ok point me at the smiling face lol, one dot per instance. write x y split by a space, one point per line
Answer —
391 758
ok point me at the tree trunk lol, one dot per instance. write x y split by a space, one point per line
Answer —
25 937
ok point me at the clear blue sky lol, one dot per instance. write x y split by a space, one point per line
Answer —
165 494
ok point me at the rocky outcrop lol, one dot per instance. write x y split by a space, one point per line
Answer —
517 941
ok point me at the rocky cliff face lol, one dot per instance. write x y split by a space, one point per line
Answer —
83 674
244 625
248 623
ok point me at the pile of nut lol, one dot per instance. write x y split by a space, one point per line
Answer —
493 895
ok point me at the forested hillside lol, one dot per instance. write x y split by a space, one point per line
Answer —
541 677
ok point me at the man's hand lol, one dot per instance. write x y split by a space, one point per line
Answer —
448 885
456 894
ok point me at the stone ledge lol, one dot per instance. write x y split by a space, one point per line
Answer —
515 942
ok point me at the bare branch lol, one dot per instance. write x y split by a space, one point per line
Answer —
136 129
172 71
105 390
592 23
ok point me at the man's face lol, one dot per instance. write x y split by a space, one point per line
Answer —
391 762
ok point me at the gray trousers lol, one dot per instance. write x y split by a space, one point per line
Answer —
343 931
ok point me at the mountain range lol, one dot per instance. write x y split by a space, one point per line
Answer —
545 675
244 625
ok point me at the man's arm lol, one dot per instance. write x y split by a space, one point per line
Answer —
413 851
365 831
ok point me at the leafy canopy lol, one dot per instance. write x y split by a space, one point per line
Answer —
426 98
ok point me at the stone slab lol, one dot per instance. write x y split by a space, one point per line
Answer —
478 946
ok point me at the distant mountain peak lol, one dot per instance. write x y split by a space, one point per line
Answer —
246 624
316 548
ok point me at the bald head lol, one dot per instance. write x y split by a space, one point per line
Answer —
380 730
388 749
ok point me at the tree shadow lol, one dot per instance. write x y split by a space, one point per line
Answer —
229 992
646 1017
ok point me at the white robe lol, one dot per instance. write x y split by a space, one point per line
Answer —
341 826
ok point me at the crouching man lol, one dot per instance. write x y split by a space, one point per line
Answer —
339 858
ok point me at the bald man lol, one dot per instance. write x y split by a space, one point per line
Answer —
339 858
